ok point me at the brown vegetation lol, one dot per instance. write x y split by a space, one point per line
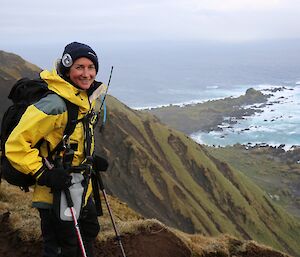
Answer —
20 234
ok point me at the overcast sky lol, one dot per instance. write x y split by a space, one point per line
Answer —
117 20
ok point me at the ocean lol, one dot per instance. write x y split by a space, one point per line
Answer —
149 74
277 124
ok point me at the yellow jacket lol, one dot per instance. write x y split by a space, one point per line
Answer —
47 120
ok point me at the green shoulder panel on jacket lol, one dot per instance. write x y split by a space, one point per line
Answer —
52 104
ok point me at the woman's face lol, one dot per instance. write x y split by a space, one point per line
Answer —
82 73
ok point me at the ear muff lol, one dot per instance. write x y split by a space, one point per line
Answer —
67 60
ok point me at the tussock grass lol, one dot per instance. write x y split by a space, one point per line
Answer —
25 220
23 217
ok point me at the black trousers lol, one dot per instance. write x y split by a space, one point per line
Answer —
59 237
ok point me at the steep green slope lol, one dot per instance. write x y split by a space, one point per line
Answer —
275 170
162 173
13 67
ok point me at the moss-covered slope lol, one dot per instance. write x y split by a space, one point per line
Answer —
162 173
275 170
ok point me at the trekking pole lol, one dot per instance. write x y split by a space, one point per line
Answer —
103 103
111 71
59 162
71 206
118 237
67 163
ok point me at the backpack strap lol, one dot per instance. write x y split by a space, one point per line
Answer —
72 110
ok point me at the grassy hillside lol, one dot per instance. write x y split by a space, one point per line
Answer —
13 67
273 169
162 173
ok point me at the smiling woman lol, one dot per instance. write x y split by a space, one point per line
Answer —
46 147
82 73
79 65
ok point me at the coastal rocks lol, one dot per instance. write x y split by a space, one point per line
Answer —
208 116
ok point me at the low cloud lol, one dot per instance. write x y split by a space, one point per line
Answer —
230 20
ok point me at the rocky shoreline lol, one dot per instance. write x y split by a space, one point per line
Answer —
246 111
213 114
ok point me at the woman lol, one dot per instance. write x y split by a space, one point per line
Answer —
45 121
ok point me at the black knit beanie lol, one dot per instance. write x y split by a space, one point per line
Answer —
72 52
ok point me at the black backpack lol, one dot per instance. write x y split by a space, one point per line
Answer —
24 93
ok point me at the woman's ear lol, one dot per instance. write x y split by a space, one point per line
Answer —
59 67
62 70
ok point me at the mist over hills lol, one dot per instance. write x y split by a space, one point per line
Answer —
161 173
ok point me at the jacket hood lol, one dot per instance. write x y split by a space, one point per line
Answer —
66 90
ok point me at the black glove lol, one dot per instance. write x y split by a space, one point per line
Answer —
99 163
57 179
